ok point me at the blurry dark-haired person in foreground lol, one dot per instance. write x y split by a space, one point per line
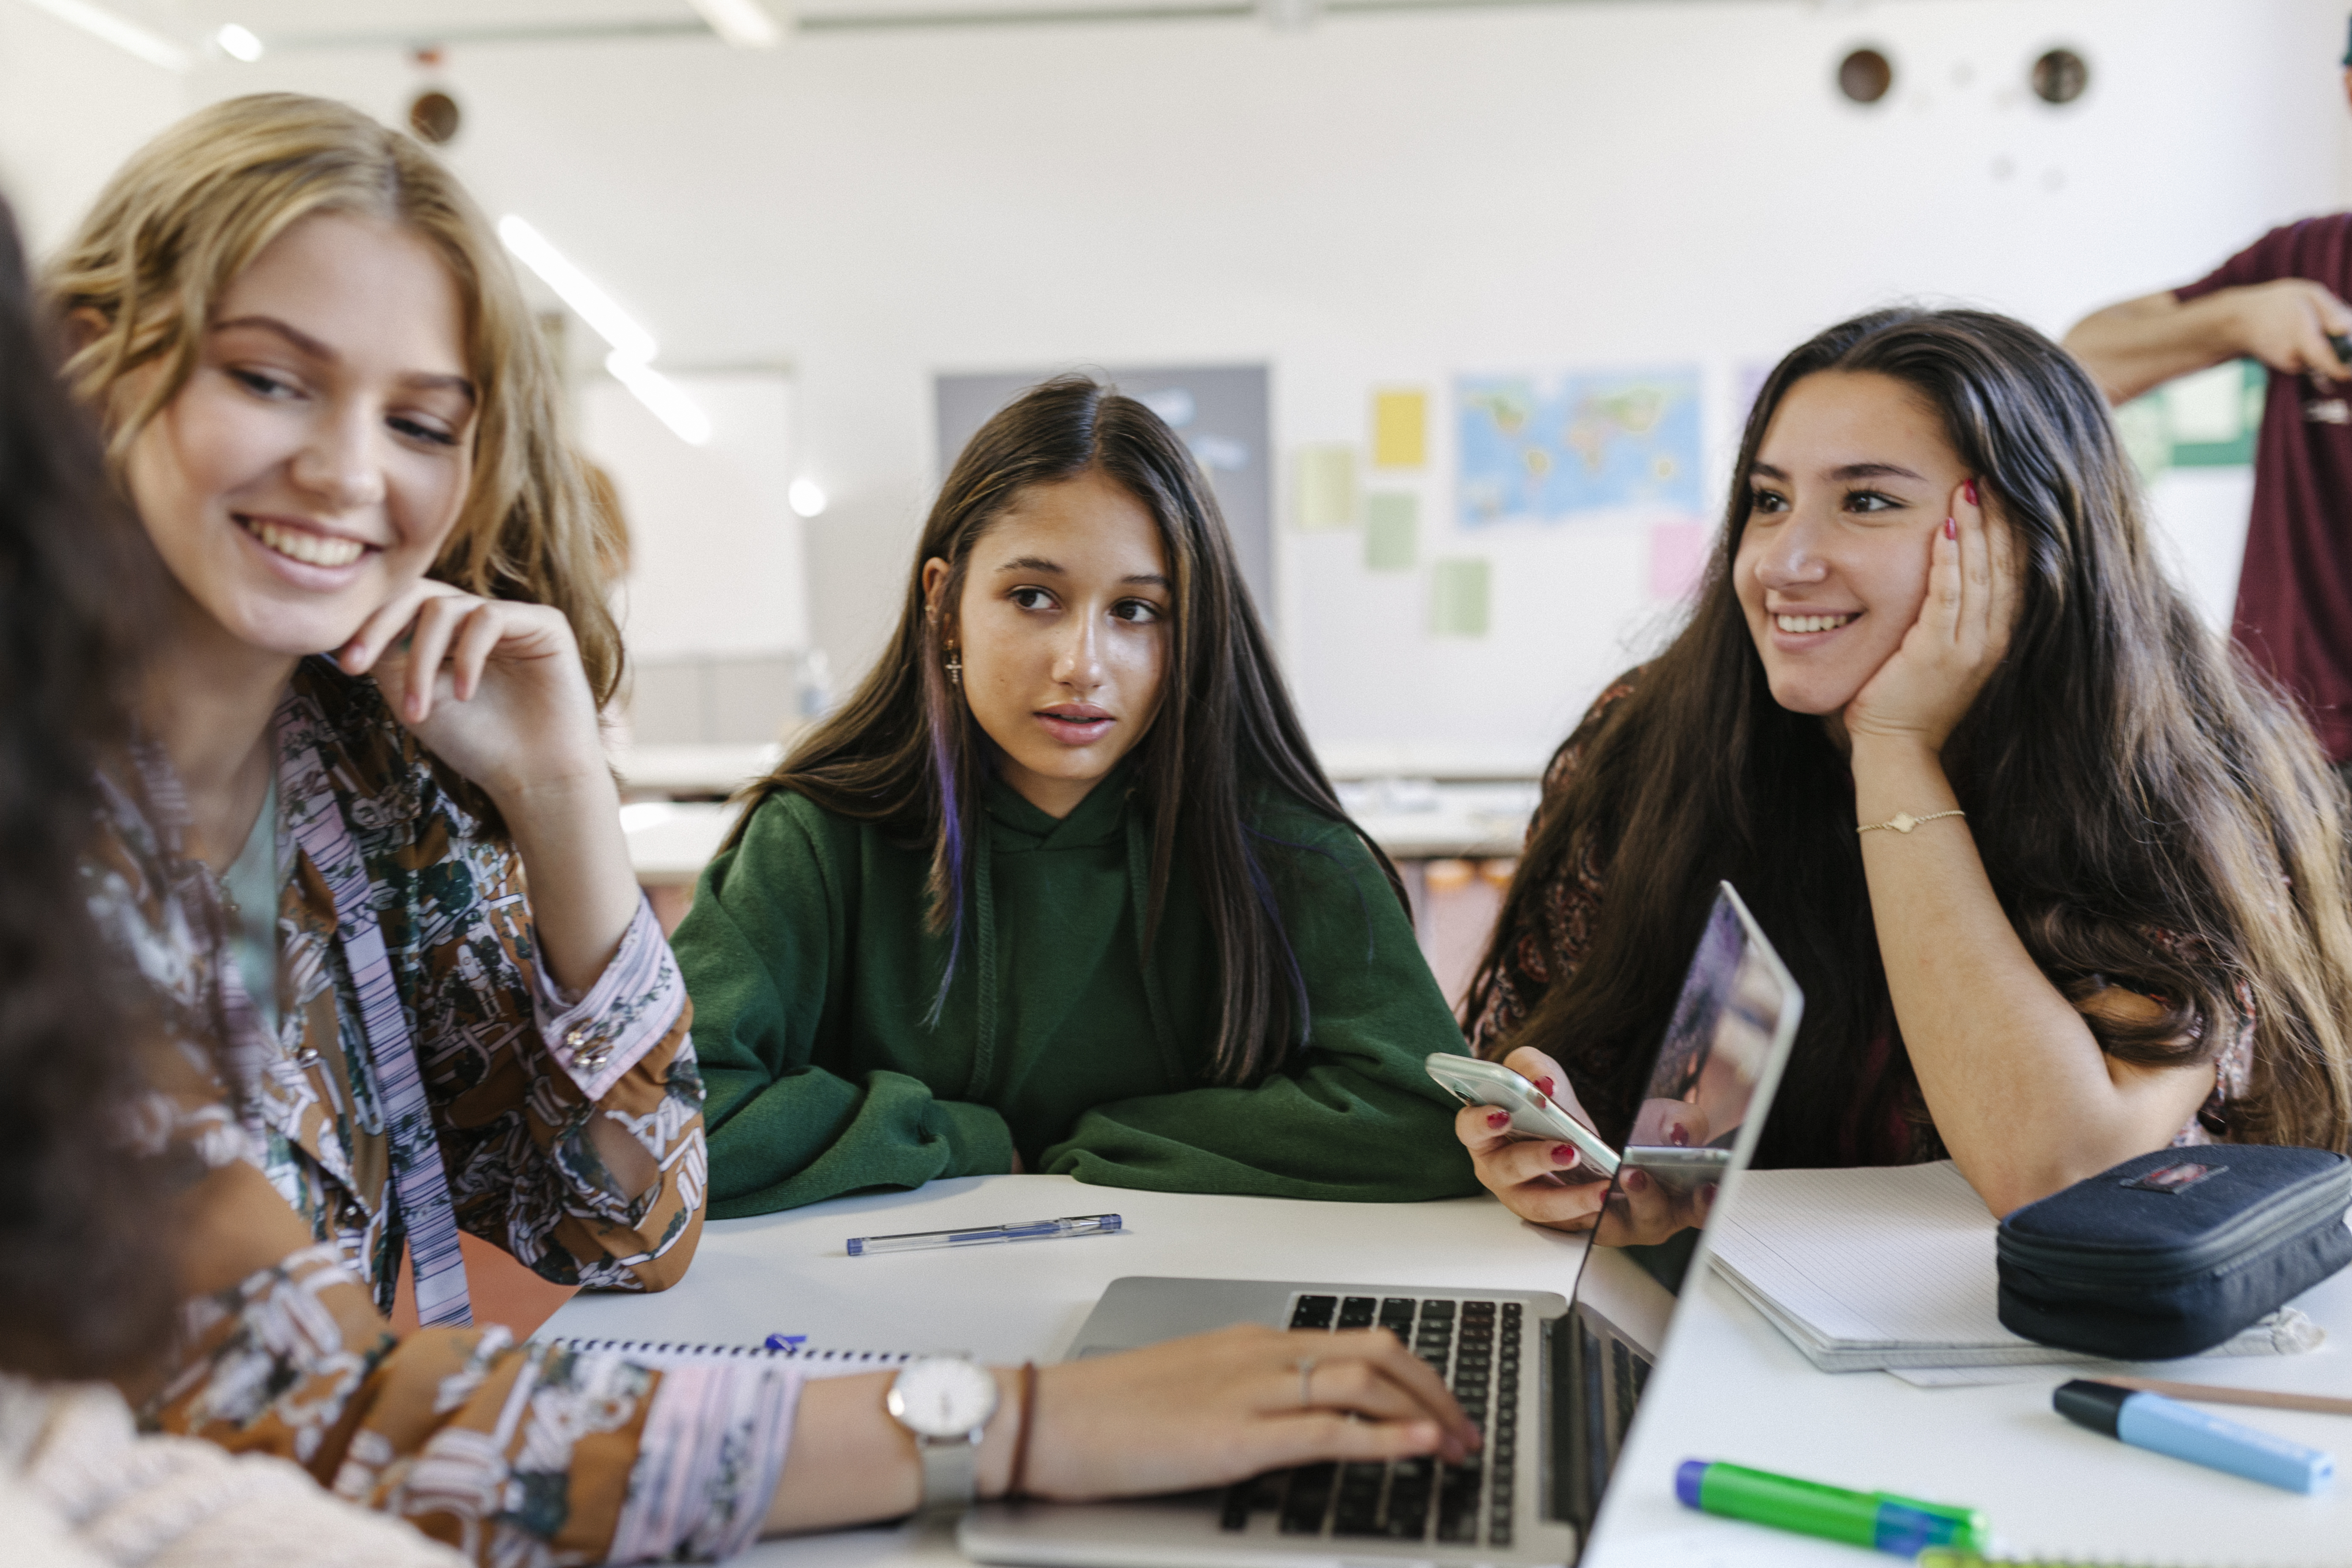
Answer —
89 1228
2063 883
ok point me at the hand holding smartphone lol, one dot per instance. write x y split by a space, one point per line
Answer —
1534 1113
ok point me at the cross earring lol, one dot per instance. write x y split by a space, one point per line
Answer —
955 668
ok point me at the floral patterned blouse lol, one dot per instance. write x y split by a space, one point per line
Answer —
518 1455
1549 948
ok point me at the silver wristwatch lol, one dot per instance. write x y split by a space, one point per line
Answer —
945 1401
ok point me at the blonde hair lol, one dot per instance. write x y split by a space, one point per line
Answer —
191 210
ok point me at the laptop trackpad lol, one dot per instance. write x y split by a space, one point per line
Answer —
1140 1310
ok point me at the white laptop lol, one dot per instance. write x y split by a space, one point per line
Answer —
1552 1380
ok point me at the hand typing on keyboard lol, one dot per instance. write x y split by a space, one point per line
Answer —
1202 1411
1456 1499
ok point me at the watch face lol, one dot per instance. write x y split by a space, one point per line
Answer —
943 1398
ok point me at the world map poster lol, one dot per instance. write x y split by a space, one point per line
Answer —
1624 441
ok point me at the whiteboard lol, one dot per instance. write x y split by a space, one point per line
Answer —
717 566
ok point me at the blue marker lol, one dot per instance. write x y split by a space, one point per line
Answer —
2167 1426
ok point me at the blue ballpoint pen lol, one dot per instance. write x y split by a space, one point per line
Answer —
978 1236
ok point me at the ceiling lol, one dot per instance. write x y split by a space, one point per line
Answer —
290 26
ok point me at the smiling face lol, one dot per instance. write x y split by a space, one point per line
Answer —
1062 630
1853 480
321 451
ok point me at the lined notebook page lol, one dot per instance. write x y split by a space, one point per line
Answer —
1895 1267
1881 1256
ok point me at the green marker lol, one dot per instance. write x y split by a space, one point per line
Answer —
1904 1526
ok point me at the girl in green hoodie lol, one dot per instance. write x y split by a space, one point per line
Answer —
1062 887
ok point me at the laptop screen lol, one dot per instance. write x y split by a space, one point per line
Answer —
1725 1044
1709 1090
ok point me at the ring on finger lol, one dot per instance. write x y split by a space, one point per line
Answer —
1306 1365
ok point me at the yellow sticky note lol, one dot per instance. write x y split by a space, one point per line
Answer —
1326 487
1400 429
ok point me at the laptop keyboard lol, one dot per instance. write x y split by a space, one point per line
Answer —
1472 1345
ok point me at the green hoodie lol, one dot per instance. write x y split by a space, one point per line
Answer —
812 975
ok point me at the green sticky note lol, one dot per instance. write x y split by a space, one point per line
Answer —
1458 598
2208 419
1392 524
2215 414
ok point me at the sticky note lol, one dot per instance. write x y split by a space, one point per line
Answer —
1392 524
1458 598
1326 487
1677 558
2208 407
1400 429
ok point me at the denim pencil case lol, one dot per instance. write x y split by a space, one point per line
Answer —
2171 1253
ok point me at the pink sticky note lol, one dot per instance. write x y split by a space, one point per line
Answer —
1677 558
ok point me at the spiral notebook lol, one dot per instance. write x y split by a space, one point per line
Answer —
816 1362
1891 1268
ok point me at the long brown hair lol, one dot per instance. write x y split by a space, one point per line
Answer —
192 209
906 750
89 1285
2148 809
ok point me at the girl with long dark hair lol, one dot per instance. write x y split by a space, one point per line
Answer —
1062 887
2061 880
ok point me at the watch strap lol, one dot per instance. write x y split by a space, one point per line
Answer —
950 1472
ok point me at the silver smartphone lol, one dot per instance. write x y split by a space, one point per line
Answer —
1534 1113
1680 1171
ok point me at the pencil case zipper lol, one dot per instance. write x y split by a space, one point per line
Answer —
2242 1236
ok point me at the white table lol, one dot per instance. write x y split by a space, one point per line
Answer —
671 841
787 1273
1020 1301
693 769
1728 1386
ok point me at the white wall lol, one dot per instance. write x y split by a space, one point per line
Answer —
1379 200
71 109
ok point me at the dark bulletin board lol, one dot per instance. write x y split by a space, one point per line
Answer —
1219 410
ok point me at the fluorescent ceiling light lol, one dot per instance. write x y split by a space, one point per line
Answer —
123 33
238 43
632 346
665 397
576 288
745 24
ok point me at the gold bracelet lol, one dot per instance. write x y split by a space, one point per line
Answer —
1904 821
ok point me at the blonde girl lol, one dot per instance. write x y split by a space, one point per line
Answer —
445 1005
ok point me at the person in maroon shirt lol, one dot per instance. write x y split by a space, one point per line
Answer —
2279 300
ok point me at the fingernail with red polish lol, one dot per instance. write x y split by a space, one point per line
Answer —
1968 488
1951 529
1636 1182
1563 1153
1544 1084
1678 1136
1498 1119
